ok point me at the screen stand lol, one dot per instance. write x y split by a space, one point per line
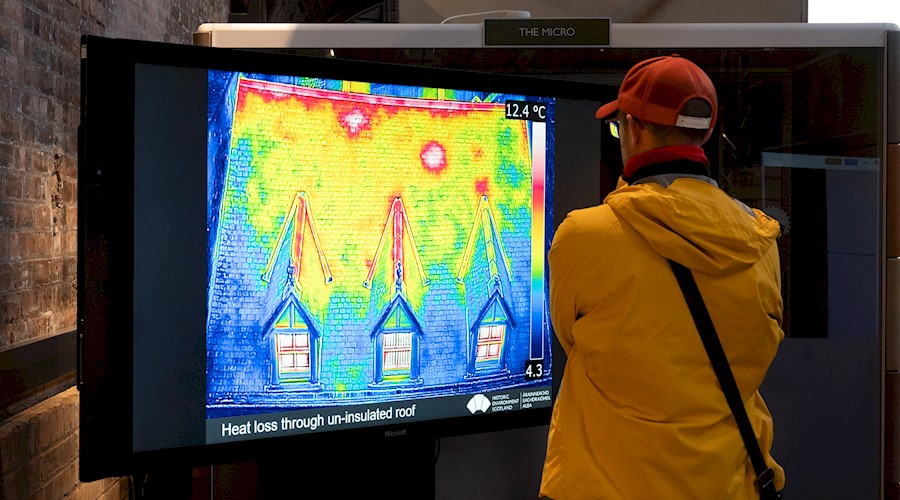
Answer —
396 469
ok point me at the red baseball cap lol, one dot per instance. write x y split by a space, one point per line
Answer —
667 90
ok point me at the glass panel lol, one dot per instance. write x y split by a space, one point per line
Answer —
798 135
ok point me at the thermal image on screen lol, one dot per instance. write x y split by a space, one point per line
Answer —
370 244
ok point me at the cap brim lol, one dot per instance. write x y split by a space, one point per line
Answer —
607 110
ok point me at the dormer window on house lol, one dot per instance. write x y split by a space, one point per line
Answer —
396 346
295 347
490 338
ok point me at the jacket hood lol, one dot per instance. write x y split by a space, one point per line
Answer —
695 224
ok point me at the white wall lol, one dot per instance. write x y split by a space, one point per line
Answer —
858 11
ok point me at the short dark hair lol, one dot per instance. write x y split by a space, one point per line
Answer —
681 135
676 135
671 135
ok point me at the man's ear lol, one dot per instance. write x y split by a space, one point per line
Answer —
634 135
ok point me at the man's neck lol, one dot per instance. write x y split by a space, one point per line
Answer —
690 159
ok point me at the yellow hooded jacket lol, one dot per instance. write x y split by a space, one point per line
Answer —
640 413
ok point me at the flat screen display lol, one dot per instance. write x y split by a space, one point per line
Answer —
278 249
376 254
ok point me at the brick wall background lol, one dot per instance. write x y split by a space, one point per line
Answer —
39 114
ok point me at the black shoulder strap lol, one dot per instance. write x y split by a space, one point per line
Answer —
764 475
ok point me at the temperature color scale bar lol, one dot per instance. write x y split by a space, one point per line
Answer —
538 172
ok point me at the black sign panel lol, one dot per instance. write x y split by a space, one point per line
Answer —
582 32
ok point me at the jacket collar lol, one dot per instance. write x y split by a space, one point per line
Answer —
667 160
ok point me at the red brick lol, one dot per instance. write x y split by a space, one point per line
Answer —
68 164
6 155
34 326
63 15
11 306
54 182
56 243
11 330
39 269
41 162
7 213
54 109
48 82
7 282
10 129
59 456
68 216
6 87
43 217
12 248
30 305
30 73
14 452
6 39
45 133
56 268
41 5
27 130
24 216
24 155
45 298
70 191
31 21
41 436
12 12
22 278
15 484
38 245
35 188
67 294
12 184
70 242
43 107
17 331
64 484
70 269
28 102
66 320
